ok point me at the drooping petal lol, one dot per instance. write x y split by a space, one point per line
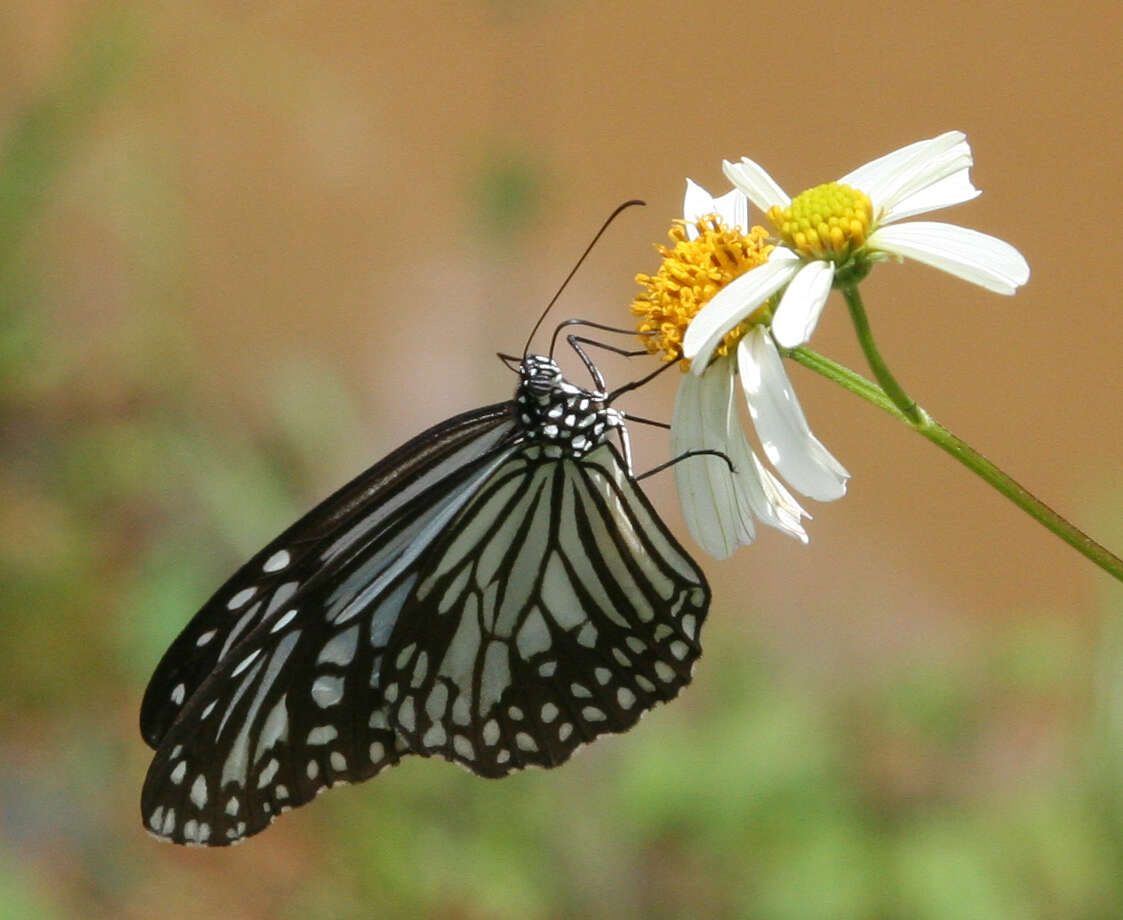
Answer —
733 303
760 494
782 427
753 179
802 304
976 257
706 488
774 505
891 179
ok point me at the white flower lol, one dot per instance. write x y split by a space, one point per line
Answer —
839 230
723 496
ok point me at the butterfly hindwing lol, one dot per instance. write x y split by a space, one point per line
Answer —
560 608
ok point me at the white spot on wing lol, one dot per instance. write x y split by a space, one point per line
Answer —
282 594
274 729
437 702
327 690
277 561
533 636
406 715
245 662
491 732
239 599
284 621
199 791
268 773
496 675
322 734
340 649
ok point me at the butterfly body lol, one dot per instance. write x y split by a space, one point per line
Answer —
496 592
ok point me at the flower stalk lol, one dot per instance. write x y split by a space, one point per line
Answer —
905 403
921 422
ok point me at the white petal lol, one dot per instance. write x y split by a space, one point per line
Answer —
720 506
733 209
976 257
781 425
696 203
752 179
884 168
777 508
706 488
881 178
951 190
734 302
802 304
759 493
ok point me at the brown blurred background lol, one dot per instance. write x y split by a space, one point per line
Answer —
245 249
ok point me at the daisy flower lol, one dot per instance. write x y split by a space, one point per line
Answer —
712 249
833 234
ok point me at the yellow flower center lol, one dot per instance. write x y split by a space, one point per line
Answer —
829 221
693 271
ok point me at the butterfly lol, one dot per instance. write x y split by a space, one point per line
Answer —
497 591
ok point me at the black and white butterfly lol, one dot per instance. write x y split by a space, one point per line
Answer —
498 591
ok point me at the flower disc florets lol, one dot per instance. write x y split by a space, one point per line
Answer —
830 221
705 257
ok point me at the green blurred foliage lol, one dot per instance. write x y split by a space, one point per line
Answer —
959 786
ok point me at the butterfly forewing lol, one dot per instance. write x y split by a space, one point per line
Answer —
317 545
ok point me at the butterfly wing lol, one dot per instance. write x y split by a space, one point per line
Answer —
556 609
551 606
320 543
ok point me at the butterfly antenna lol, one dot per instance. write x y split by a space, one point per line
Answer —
573 271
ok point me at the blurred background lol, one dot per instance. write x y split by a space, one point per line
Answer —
246 249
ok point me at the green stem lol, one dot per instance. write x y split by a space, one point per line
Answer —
880 369
924 424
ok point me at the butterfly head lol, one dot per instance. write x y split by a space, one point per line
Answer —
571 421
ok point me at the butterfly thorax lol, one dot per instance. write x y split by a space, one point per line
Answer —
566 419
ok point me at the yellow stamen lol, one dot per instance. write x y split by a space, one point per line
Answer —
693 271
829 221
